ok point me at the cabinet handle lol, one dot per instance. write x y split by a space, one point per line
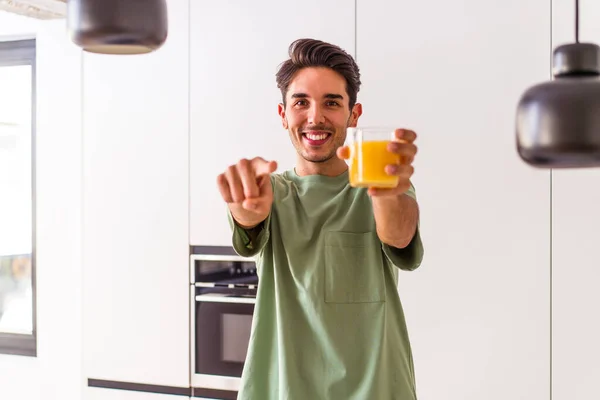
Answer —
221 299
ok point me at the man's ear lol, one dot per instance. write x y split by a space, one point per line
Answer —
355 115
281 112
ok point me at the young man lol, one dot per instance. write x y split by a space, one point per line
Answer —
328 322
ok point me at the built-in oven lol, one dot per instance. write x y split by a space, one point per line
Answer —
223 288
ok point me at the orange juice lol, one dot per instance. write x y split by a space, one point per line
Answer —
367 164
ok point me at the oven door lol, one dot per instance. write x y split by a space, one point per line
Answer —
222 323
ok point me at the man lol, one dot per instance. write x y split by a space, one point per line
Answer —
328 322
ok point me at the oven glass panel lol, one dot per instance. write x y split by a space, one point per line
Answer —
235 329
222 337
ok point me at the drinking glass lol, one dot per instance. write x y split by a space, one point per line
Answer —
369 156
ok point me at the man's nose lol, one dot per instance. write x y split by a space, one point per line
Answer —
316 115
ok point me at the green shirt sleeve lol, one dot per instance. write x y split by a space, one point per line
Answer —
410 257
249 242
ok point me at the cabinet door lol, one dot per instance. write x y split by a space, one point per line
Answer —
136 243
236 47
575 281
478 309
575 249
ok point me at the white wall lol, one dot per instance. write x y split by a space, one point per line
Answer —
56 372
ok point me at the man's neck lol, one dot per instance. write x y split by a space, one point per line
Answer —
332 167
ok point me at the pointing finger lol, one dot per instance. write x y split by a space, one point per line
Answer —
235 184
224 188
248 179
262 166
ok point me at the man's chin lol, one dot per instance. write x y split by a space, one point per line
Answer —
318 159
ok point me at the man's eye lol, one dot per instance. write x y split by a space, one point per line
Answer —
301 103
332 103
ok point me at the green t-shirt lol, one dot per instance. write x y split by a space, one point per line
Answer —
328 322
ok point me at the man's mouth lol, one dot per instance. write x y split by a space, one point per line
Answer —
316 138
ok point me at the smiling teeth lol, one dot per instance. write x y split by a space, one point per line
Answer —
316 137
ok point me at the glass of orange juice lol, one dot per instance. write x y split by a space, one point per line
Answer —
369 156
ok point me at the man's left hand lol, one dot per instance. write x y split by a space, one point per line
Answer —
403 145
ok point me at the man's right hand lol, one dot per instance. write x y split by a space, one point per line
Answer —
246 188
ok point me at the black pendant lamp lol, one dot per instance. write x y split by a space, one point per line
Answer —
558 122
117 26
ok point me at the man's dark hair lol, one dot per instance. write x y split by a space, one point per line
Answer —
316 53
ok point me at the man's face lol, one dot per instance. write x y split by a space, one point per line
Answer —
317 113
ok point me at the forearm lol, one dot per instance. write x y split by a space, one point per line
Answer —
246 219
396 218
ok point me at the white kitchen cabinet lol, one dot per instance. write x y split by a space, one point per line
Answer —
575 281
575 250
236 47
115 394
478 309
135 218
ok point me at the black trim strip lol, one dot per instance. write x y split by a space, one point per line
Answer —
214 394
213 250
140 387
172 390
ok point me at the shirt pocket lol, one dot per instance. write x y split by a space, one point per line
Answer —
353 268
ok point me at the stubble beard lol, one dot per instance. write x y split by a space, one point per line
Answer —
337 141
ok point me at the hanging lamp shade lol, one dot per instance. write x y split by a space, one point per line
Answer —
558 122
118 26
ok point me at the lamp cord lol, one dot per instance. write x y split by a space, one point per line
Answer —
576 21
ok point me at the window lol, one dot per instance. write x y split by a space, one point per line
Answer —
17 198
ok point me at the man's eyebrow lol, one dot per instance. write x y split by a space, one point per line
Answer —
327 96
